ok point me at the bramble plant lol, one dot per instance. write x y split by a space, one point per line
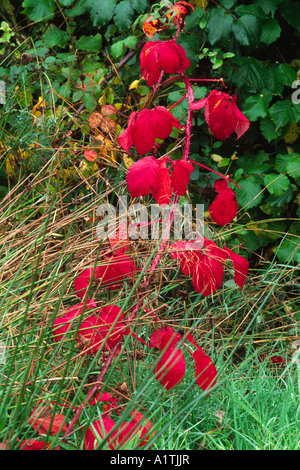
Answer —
200 258
165 105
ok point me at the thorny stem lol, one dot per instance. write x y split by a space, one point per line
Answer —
188 130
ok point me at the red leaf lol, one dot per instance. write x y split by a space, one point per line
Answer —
162 190
142 176
42 420
172 57
224 208
207 274
88 335
132 430
146 126
32 444
164 337
112 315
222 115
170 369
97 431
62 324
181 176
91 155
240 266
272 359
149 67
83 279
111 274
206 372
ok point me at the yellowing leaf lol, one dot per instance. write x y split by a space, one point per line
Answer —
127 160
39 108
292 134
134 84
216 158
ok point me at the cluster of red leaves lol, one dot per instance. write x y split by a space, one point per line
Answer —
204 261
166 56
222 115
145 126
170 369
150 175
103 326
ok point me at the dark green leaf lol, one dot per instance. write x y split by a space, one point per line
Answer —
124 14
250 194
246 30
219 26
270 32
276 184
139 5
102 11
283 112
42 10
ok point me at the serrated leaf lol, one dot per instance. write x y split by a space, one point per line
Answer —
102 11
255 107
249 73
250 194
270 32
219 26
246 30
282 112
43 10
276 184
269 6
55 37
293 167
89 43
124 14
268 129
139 5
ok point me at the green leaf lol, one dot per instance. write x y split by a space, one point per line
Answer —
79 9
289 249
117 49
102 11
219 26
250 194
139 5
293 166
89 43
255 107
66 3
246 30
249 73
291 13
55 37
270 32
268 129
42 10
124 14
269 6
283 112
276 184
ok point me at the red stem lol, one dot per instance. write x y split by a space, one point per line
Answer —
216 172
